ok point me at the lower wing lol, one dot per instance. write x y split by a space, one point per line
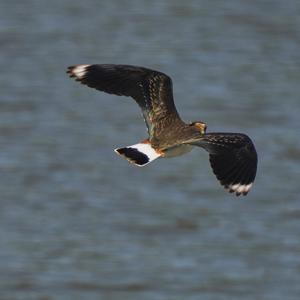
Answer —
233 159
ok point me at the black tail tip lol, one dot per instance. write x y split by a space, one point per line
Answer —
133 155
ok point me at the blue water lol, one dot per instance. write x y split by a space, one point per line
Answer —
79 222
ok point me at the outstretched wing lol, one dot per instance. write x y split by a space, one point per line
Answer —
233 159
152 90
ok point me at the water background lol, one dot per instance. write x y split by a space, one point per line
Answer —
78 222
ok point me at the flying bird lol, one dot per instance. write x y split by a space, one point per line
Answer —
232 156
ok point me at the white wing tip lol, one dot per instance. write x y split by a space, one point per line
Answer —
240 188
78 71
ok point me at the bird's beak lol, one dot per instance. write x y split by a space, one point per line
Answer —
202 127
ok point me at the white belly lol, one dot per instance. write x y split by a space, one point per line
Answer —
177 151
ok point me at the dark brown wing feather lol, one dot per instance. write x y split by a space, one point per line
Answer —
152 90
233 159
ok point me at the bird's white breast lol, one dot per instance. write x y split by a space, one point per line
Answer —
177 150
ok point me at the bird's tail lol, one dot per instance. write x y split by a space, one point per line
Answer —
139 154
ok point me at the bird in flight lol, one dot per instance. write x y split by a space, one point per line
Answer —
232 156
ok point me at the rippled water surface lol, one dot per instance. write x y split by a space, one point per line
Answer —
78 222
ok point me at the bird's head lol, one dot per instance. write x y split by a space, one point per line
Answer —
201 126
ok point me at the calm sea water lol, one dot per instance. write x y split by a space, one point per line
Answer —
78 222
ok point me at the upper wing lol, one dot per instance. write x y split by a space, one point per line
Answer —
233 159
152 90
